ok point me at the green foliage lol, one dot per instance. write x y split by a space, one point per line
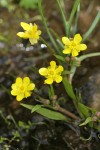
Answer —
84 110
88 120
69 89
59 57
29 4
51 114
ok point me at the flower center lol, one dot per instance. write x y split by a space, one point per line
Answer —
51 72
22 88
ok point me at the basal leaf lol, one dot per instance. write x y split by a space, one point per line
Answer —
51 114
27 106
69 89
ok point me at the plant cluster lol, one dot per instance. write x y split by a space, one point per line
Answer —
66 51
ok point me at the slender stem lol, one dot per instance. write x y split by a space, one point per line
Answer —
52 90
51 50
45 24
64 111
63 16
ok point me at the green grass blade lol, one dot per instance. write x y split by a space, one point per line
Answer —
76 19
74 9
81 58
63 16
92 27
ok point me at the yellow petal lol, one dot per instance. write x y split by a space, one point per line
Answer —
27 94
31 86
48 81
58 79
26 80
35 27
14 86
25 26
18 81
20 97
67 51
53 64
65 40
23 35
82 47
33 41
59 70
14 92
74 53
39 32
77 38
43 71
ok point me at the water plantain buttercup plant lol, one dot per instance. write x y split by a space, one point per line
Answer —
66 51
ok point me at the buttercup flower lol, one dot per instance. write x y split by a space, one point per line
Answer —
22 88
73 46
52 73
31 32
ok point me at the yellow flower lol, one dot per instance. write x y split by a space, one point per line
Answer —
73 46
31 32
22 88
52 73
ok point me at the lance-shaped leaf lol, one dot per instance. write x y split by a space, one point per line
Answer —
51 114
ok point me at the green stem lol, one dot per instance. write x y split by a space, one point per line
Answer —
45 24
52 90
92 27
51 50
63 16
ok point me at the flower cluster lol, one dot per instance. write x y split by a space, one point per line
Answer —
31 32
73 46
22 88
52 73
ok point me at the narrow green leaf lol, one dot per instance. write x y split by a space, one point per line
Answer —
60 58
74 9
51 114
47 112
81 58
63 15
89 119
84 110
69 88
92 27
76 20
27 106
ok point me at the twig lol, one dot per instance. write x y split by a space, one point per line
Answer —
66 112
